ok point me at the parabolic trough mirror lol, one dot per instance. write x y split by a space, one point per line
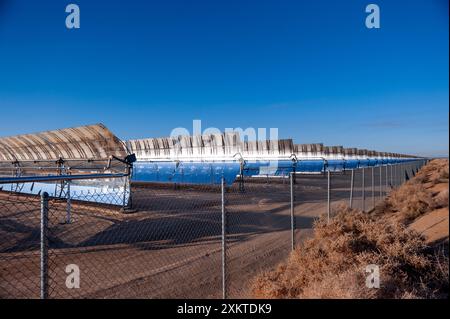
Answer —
186 172
92 151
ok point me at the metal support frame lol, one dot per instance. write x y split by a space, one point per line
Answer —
294 170
44 246
60 187
241 178
17 172
124 199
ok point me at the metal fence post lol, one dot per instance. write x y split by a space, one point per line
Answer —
124 199
363 204
402 174
292 211
381 182
395 174
387 179
69 204
392 181
328 198
373 187
44 245
224 255
351 188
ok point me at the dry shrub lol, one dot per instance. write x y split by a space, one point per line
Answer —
434 172
332 264
441 199
411 200
441 171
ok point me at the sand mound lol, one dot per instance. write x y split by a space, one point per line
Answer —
433 226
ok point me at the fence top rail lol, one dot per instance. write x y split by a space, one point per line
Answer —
52 178
88 160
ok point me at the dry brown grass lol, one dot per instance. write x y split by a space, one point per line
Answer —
411 200
416 196
332 263
441 199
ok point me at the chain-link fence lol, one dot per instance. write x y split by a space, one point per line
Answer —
258 227
173 241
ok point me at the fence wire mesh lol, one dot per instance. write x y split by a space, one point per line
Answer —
258 231
168 247
19 247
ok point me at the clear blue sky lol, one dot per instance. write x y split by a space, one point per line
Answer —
309 68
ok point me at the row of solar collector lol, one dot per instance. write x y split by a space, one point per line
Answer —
205 159
212 172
